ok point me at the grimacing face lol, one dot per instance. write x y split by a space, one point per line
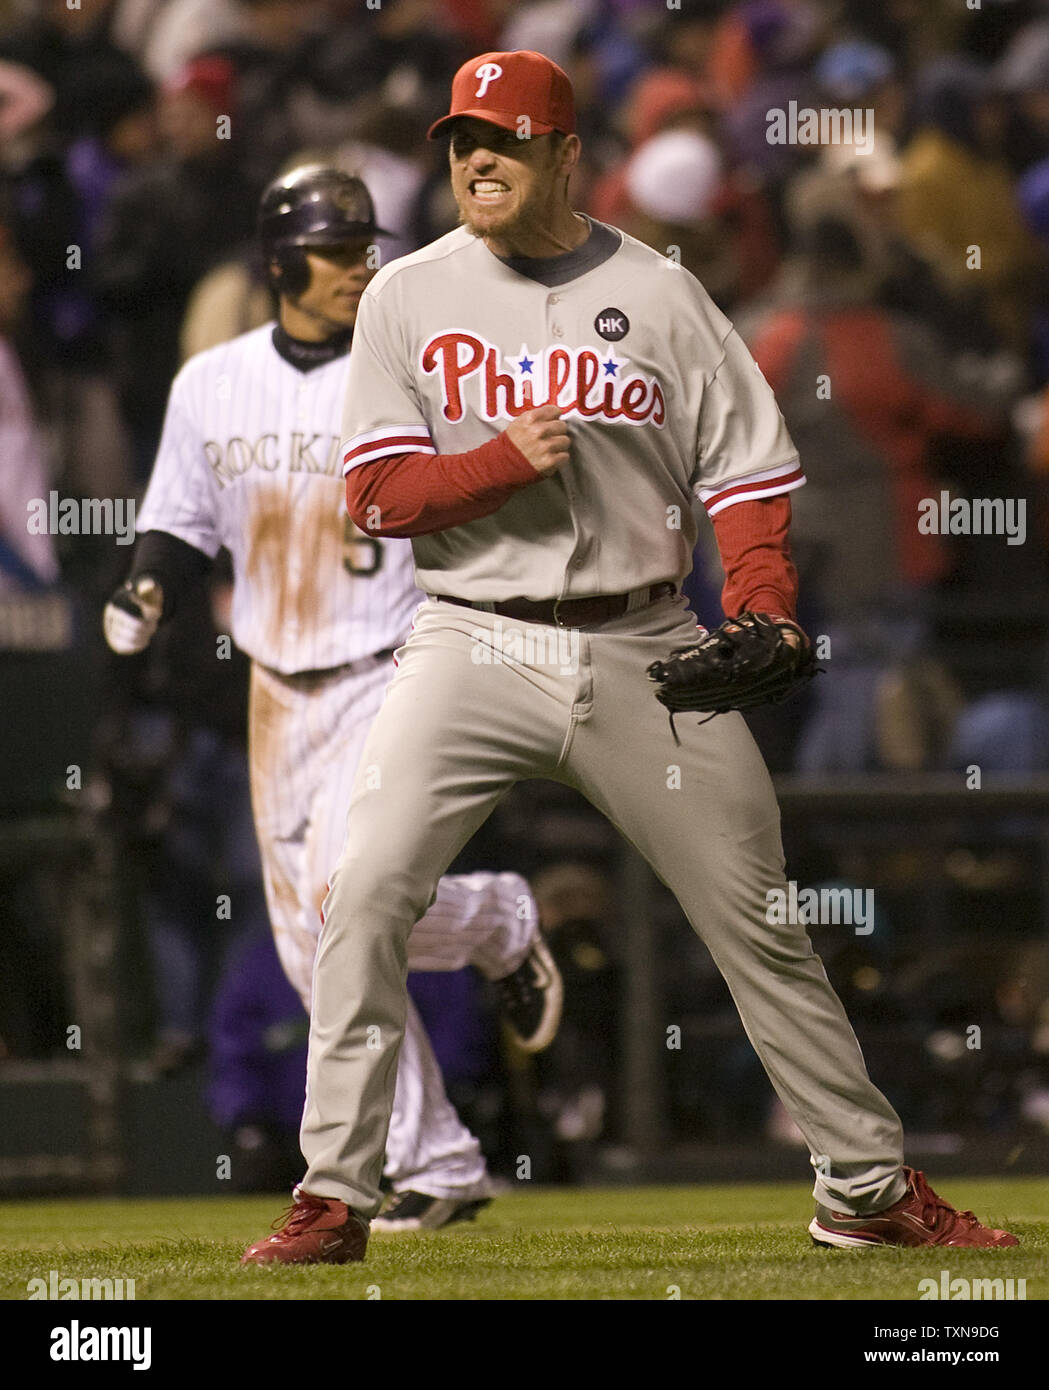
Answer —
504 185
338 278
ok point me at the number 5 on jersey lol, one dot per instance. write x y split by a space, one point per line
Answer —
361 554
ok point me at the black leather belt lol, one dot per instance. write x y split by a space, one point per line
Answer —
325 671
565 612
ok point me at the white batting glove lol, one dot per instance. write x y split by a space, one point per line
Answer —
132 616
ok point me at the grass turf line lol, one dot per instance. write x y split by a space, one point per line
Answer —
745 1242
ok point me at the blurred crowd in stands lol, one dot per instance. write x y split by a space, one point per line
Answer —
894 290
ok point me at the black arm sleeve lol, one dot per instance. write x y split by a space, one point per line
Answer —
174 564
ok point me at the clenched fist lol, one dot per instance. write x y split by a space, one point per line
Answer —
132 616
542 436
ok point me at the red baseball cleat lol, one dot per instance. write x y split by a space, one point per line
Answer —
919 1218
313 1231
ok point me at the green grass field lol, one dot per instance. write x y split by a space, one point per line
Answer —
747 1242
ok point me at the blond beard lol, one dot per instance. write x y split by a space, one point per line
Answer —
481 232
507 228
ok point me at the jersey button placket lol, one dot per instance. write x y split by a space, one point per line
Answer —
577 562
556 329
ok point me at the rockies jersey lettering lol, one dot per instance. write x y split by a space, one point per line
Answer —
665 407
300 453
249 459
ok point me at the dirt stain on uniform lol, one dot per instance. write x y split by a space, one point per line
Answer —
294 550
267 564
267 735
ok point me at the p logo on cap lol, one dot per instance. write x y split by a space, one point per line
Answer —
487 72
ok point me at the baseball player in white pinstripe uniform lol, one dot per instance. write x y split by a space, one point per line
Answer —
536 399
249 459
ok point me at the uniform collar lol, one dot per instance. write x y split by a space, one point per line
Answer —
602 243
304 357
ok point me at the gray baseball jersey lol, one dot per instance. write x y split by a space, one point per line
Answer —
671 406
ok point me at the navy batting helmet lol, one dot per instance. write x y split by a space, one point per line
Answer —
314 205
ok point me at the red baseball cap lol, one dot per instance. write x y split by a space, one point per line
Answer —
503 87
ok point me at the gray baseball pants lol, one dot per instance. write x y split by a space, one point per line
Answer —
480 702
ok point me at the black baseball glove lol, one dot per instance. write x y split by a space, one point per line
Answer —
746 662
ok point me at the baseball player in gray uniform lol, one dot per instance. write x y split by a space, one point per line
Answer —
249 459
536 399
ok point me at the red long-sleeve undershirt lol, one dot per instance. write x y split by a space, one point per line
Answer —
753 542
417 494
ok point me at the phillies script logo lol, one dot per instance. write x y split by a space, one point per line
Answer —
579 380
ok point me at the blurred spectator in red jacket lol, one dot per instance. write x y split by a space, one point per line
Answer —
864 393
